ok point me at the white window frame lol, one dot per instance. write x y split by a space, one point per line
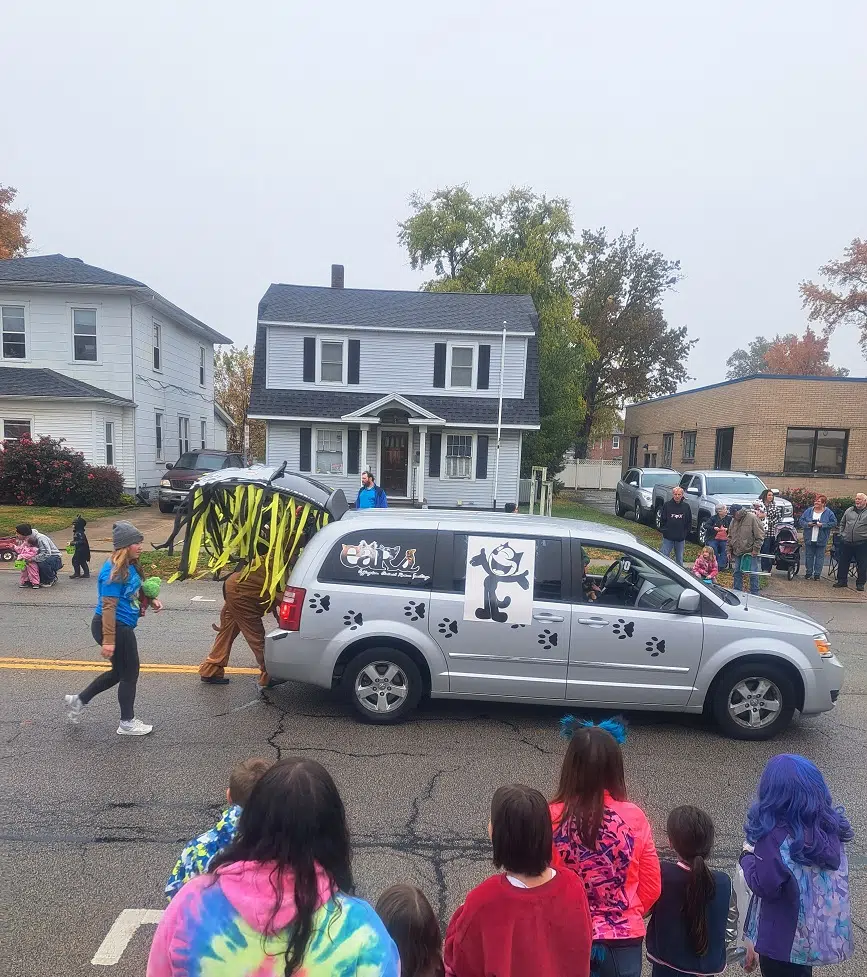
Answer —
615 442
110 444
183 446
473 436
79 307
203 431
157 346
474 369
15 419
203 373
159 442
26 307
314 441
345 360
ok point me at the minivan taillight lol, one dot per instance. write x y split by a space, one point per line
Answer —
291 607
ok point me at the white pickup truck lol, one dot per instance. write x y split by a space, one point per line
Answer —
705 490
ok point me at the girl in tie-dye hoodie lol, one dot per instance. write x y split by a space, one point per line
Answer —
277 901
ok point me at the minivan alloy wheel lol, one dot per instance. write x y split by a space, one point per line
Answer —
755 703
381 687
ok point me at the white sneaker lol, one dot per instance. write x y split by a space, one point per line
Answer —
133 727
74 708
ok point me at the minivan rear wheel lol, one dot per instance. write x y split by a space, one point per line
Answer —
383 684
753 701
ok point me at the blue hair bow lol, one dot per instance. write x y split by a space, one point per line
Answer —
569 726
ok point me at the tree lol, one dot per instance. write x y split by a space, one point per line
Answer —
13 240
848 304
233 381
803 357
750 361
516 242
618 287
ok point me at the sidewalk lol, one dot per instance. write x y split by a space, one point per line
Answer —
781 588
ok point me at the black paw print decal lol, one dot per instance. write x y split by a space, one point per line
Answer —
514 627
414 610
320 603
623 629
656 646
353 620
448 628
548 640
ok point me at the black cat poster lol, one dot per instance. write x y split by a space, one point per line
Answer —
499 580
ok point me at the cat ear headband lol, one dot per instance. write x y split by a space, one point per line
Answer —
570 725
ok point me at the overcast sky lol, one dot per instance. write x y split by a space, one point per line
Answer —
209 149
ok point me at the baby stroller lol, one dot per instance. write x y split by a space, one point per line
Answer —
787 551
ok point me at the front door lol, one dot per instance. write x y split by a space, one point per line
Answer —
513 641
723 455
629 644
395 462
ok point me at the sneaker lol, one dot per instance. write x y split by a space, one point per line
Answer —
50 584
74 708
74 576
133 727
859 587
841 585
26 586
214 680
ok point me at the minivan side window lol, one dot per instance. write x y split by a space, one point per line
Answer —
382 558
614 577
548 578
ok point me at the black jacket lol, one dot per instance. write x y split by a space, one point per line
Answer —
676 520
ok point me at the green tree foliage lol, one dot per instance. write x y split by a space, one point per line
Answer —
842 300
516 242
233 381
750 361
790 355
13 240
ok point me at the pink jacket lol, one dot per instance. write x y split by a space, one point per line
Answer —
704 568
25 551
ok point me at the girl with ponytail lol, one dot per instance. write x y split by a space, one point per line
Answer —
694 925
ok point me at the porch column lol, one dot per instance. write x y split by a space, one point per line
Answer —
422 444
364 429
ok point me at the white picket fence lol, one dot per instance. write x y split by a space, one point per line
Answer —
584 473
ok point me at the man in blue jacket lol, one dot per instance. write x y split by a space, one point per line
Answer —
370 495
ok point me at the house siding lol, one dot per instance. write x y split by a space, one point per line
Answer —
220 434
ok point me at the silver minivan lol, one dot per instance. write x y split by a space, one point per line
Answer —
388 606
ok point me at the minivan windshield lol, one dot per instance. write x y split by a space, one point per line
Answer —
734 485
202 461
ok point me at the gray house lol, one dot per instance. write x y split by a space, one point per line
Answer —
408 385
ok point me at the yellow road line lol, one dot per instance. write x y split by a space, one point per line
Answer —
69 665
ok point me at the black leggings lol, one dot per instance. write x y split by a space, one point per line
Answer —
777 968
124 668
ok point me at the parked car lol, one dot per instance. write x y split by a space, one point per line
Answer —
634 492
705 490
175 487
387 606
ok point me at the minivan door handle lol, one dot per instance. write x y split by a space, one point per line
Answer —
547 616
593 622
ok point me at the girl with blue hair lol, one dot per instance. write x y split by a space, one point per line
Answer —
794 861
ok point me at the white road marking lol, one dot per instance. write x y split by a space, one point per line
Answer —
207 600
122 931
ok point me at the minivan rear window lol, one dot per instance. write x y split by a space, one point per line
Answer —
382 558
548 578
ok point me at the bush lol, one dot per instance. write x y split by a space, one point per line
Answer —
127 499
103 486
802 498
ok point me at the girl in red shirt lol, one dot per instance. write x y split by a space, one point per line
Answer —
608 842
531 919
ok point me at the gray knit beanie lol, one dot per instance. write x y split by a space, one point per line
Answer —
125 534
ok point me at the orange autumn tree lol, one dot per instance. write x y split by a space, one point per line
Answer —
843 297
13 240
803 356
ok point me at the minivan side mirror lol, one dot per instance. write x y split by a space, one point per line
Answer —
168 466
689 602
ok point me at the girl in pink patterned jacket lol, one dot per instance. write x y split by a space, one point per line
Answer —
705 566
27 549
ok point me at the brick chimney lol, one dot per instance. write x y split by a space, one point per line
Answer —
337 276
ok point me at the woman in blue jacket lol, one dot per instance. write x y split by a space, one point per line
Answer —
817 523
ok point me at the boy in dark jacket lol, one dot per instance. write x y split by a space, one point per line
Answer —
81 556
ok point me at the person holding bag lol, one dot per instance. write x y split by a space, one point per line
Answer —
817 521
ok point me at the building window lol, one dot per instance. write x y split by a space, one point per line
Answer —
158 347
84 335
667 450
461 367
159 434
459 456
202 368
14 332
332 361
13 430
204 434
109 443
688 438
633 452
183 435
329 451
820 451
615 443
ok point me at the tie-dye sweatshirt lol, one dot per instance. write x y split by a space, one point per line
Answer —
215 927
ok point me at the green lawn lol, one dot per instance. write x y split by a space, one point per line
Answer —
46 518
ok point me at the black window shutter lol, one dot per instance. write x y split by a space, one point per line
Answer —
439 365
484 373
482 456
435 445
306 438
309 360
353 443
354 361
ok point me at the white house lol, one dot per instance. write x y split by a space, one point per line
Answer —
105 362
405 384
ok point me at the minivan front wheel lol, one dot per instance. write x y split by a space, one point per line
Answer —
383 684
753 701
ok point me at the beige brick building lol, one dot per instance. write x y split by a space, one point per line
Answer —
794 432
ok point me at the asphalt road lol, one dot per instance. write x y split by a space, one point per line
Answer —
92 823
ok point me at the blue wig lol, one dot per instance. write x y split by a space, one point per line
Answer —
792 793
569 726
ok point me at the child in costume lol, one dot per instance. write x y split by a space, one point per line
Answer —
705 566
81 556
412 925
26 550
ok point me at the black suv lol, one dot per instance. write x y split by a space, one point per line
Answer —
189 467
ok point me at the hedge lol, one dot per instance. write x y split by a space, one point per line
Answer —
802 498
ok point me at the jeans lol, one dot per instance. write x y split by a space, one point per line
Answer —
669 545
123 672
815 558
719 547
768 547
857 552
618 961
49 568
777 968
738 574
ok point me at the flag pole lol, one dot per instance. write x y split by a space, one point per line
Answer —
500 415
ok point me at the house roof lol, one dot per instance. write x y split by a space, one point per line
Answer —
753 376
223 415
44 384
382 309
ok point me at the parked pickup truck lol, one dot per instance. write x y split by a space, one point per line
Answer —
704 491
